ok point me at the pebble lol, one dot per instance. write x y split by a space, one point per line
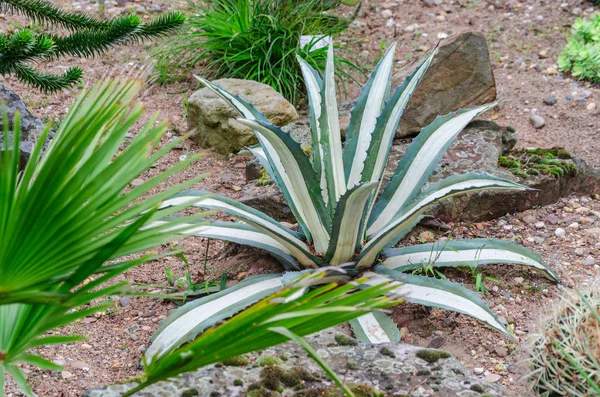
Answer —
540 225
574 226
537 121
492 378
589 261
137 182
539 240
411 28
550 100
529 219
579 251
553 219
86 346
519 280
560 232
551 71
478 371
124 301
502 351
387 14
591 106
66 375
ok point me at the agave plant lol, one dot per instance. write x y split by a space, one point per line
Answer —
344 220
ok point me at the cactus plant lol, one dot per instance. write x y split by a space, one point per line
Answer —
565 351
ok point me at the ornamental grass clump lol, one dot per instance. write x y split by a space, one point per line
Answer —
347 219
565 349
255 40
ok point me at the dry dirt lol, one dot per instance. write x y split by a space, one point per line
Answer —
524 36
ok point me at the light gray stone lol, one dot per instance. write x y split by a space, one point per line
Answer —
371 365
214 120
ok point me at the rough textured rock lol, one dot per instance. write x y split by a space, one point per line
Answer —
267 199
394 369
214 120
477 149
31 126
460 76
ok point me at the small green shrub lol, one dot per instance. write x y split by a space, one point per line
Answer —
565 351
581 56
253 40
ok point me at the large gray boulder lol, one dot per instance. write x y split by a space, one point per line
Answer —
395 369
214 120
460 76
31 126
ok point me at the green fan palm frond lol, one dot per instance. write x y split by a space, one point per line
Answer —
70 217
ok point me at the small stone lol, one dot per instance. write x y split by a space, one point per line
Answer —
387 14
492 378
537 121
411 28
550 100
574 226
529 219
591 106
478 371
539 240
543 54
519 280
124 301
553 219
551 71
66 375
576 11
559 232
137 182
86 346
502 351
589 261
579 251
539 225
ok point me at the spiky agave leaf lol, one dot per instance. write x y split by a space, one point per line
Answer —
443 294
407 217
375 328
417 164
458 253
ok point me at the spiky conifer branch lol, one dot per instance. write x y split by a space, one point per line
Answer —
88 37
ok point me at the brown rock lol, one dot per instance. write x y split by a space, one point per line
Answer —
460 76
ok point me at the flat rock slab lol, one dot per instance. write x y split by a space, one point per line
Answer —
477 149
214 122
395 369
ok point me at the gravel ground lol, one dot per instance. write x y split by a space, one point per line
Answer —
525 37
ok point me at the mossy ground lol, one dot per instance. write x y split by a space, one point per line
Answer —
525 162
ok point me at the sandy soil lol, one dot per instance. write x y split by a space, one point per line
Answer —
524 36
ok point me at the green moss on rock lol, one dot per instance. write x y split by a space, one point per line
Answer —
387 352
345 340
237 361
267 360
525 162
432 356
189 393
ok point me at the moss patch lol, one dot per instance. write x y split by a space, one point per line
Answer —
525 162
189 393
387 352
359 390
237 361
267 360
345 340
432 356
